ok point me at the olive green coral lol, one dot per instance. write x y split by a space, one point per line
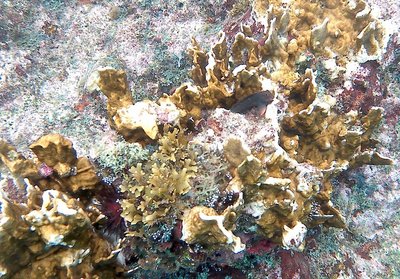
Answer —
156 185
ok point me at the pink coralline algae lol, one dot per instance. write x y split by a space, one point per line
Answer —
45 170
366 90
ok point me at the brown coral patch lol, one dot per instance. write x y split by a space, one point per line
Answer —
113 83
56 152
56 167
15 162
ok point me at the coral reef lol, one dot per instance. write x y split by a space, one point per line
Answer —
282 163
246 159
285 190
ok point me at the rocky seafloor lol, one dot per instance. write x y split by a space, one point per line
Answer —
176 169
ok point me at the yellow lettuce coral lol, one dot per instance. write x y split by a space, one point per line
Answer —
216 83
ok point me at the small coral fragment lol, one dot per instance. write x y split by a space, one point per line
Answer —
85 177
244 43
293 238
236 151
137 121
189 98
370 38
58 218
200 61
56 152
15 162
319 34
250 170
204 226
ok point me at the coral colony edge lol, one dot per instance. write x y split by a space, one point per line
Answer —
219 174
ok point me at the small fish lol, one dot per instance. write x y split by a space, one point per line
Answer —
259 100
